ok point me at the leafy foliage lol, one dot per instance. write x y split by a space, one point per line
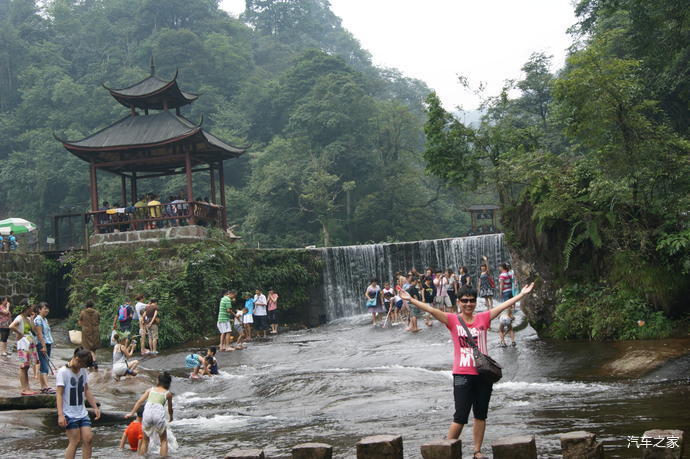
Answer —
601 313
592 165
326 126
189 282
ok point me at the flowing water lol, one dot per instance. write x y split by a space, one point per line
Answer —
348 270
345 380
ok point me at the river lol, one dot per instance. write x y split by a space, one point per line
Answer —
345 380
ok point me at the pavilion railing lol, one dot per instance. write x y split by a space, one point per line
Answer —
179 213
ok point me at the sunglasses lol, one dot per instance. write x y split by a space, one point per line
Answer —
467 300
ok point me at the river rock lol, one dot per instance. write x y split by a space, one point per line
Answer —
30 402
663 452
521 447
442 449
581 445
312 451
245 454
380 447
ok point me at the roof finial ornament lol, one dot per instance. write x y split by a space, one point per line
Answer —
153 66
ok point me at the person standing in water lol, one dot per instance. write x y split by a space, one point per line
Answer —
273 310
23 326
485 284
153 419
470 389
372 296
44 345
89 321
5 321
72 389
223 324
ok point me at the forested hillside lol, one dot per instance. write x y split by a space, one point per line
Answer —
592 166
336 143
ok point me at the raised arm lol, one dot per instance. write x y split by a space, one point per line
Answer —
437 313
496 310
139 402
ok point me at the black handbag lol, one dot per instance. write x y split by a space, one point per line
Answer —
485 365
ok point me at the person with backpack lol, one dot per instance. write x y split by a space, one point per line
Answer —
123 318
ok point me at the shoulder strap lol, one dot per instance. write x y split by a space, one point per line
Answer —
469 335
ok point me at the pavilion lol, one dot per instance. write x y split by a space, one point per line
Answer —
155 140
480 214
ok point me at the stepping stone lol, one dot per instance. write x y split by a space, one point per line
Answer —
442 449
312 451
521 447
380 447
581 445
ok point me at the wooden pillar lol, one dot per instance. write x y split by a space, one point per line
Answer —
133 187
190 195
56 232
188 174
123 191
213 183
224 213
94 189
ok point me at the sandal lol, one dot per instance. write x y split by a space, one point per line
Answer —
27 393
480 455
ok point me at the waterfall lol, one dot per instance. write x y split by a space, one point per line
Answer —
348 270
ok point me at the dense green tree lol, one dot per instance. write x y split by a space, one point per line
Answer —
592 166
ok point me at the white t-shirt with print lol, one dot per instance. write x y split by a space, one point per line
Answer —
73 398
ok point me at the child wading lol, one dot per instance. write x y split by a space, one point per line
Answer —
133 434
72 390
153 419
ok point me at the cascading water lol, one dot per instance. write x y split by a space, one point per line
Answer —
348 270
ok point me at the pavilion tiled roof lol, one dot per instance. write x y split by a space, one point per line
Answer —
153 93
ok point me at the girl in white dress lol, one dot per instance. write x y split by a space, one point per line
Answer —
153 421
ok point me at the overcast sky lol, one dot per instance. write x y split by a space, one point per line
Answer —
436 40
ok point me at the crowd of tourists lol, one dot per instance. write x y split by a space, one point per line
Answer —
241 319
440 289
150 211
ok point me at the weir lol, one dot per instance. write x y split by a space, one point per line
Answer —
348 270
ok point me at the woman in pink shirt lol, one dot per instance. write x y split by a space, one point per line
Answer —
273 310
470 390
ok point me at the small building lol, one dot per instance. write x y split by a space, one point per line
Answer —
483 218
155 140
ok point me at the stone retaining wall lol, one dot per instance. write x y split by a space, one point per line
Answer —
22 275
152 238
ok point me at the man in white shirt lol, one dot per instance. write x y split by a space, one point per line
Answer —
139 309
260 313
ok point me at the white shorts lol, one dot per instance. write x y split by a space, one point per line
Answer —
248 319
120 369
224 327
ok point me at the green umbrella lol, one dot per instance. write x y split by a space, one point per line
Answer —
18 225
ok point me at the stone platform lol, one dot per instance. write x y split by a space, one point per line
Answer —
150 238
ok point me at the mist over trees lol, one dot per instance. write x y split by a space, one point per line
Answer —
337 143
